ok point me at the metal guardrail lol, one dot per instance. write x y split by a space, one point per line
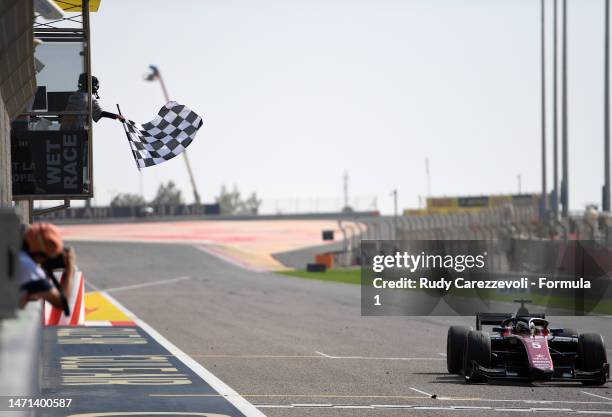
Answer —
494 223
498 223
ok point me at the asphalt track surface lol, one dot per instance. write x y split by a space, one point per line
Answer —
297 347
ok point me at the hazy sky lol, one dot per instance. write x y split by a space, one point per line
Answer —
295 92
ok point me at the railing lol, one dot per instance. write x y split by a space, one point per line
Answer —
498 223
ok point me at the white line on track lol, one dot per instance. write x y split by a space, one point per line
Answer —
221 387
442 354
596 395
256 356
377 358
144 285
228 259
503 400
90 285
411 407
392 397
311 396
421 392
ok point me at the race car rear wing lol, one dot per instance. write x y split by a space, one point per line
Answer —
489 319
495 319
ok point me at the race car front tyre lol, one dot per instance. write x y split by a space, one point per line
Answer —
477 349
592 355
455 344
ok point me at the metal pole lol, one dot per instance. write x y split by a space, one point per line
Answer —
30 211
140 184
345 180
518 178
555 202
564 147
344 244
543 202
606 191
127 135
394 213
163 86
196 195
428 177
87 66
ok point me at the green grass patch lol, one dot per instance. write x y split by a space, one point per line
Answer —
348 275
353 276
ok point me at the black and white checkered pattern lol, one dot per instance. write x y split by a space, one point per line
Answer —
164 137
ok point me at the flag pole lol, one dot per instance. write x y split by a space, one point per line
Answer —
127 135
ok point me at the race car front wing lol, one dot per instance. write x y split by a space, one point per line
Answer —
533 374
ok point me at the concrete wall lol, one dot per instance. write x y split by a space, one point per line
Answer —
17 82
5 156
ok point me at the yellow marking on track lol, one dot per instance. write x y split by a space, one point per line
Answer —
99 308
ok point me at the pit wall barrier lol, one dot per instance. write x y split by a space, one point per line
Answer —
10 243
54 316
20 354
20 329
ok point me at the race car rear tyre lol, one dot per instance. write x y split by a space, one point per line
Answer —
477 349
455 344
592 355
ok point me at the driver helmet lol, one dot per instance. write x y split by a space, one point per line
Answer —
521 327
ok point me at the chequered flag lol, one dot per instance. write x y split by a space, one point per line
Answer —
164 137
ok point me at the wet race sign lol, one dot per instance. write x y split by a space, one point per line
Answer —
49 162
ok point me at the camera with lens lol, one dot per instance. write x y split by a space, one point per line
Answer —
59 262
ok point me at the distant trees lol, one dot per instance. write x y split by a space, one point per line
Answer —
231 202
168 195
127 200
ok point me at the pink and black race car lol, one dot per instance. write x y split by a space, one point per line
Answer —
523 347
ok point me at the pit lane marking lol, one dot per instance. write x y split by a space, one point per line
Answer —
377 358
596 395
215 383
147 413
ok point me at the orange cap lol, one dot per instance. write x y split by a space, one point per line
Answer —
44 238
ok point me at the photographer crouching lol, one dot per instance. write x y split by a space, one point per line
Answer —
42 253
